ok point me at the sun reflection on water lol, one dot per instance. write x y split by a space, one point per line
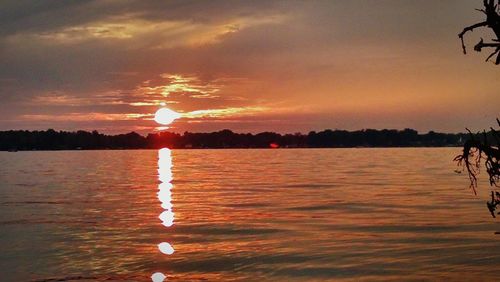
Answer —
165 197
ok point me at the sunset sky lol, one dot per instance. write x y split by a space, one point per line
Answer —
249 66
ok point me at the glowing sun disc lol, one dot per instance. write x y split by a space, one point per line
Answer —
166 116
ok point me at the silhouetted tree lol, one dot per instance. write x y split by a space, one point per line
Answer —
493 22
478 147
486 146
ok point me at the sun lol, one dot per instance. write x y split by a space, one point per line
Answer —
166 116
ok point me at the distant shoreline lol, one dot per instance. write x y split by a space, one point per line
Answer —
51 140
187 149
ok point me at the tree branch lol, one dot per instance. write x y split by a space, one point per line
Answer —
467 29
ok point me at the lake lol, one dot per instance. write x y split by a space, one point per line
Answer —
243 215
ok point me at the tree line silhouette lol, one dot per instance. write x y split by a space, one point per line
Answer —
63 140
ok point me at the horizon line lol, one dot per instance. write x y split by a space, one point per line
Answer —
240 132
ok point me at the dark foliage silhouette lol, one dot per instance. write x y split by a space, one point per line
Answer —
61 140
478 148
493 22
483 147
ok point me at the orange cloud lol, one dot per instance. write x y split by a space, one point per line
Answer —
88 117
225 112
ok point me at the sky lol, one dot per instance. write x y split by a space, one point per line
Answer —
249 66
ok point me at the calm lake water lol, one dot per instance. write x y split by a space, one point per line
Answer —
245 215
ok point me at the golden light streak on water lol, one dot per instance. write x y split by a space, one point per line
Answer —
165 197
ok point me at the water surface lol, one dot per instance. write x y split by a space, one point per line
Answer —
244 215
